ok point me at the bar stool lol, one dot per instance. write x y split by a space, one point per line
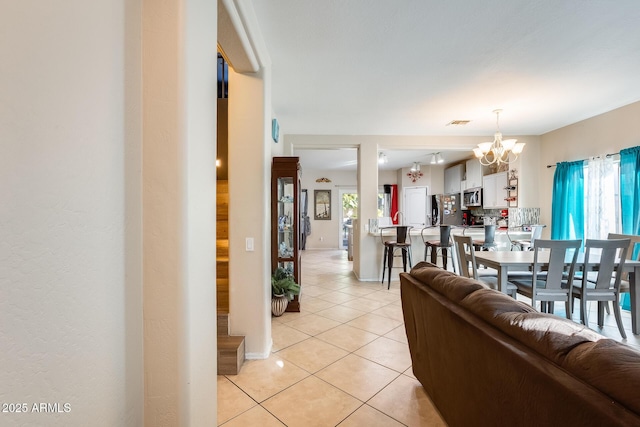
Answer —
443 244
527 245
402 242
489 241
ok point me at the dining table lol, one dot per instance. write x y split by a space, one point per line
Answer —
505 261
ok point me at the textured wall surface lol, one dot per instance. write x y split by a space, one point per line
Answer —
70 290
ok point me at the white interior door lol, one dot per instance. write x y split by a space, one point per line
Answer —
415 206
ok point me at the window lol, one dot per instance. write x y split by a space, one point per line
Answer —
602 198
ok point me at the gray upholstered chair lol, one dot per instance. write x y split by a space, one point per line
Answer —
468 268
601 278
554 284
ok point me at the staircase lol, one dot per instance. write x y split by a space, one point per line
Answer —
230 347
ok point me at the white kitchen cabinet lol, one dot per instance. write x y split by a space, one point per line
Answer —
452 178
474 174
494 191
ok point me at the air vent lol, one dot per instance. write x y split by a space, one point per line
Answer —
458 122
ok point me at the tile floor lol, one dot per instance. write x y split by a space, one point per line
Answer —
343 360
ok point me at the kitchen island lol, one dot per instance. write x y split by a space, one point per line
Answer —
503 238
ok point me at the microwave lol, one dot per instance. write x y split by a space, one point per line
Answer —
472 197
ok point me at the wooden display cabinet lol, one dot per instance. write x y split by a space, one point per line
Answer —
285 219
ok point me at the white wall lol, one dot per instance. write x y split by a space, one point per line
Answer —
250 211
70 182
527 171
199 383
607 133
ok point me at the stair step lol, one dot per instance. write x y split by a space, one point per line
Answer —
230 355
223 324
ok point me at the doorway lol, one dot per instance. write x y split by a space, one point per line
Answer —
348 212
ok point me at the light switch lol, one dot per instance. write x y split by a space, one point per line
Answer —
249 244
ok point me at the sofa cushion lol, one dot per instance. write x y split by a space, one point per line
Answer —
549 335
451 285
610 366
490 303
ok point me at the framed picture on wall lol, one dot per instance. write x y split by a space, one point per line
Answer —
322 204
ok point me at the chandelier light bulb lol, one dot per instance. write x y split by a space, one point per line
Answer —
508 144
517 149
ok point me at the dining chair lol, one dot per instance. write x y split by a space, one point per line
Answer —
633 253
554 284
444 244
468 267
527 244
601 276
403 243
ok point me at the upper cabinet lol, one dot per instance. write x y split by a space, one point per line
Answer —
474 174
453 176
495 191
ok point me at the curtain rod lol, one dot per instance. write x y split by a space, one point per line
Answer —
584 160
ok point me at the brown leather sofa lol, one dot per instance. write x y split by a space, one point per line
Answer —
488 360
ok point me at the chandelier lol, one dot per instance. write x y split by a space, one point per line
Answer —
499 151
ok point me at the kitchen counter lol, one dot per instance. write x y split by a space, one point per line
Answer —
503 236
503 239
432 233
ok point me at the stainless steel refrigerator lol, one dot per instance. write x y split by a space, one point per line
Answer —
449 209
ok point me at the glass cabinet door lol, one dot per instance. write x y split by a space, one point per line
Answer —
286 226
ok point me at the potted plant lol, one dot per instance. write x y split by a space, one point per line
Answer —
283 288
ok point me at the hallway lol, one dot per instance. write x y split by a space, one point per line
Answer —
343 360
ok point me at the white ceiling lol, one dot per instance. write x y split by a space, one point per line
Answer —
409 67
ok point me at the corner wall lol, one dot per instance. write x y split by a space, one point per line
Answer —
179 123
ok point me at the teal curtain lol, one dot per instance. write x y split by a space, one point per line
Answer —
630 189
630 198
567 208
